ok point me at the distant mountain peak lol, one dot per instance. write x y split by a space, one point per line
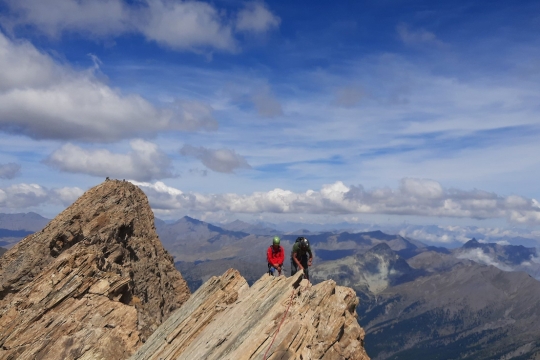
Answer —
473 243
191 220
381 248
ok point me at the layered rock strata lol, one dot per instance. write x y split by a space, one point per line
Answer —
94 283
226 319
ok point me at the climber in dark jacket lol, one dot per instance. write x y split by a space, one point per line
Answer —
301 256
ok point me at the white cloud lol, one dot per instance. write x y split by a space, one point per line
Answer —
67 195
462 234
256 17
338 198
220 160
186 25
9 170
180 25
97 17
24 196
145 161
422 188
479 256
162 197
44 100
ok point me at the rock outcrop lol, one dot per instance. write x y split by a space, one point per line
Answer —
282 318
93 284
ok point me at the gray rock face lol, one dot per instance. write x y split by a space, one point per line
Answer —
372 271
470 311
94 283
226 319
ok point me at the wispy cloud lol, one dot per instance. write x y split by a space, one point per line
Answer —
256 17
9 170
349 96
179 25
219 160
266 103
186 25
479 256
145 162
417 36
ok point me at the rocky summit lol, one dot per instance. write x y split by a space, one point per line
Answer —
93 284
276 318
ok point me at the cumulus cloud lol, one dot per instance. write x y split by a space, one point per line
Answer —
97 18
413 197
220 160
20 196
256 17
161 196
186 25
145 161
9 170
266 103
44 100
180 25
415 37
67 195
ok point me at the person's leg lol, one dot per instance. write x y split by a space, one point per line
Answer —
270 269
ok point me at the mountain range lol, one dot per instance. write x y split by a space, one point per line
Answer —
477 301
438 306
419 301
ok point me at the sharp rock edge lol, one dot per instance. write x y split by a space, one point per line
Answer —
226 319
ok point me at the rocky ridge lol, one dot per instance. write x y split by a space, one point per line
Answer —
94 283
282 318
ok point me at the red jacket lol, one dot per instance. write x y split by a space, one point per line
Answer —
275 257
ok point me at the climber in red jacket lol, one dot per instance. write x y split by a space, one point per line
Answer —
275 256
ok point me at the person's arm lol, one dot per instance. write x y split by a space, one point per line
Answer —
269 255
297 261
281 255
310 256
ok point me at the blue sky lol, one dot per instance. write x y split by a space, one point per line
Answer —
363 111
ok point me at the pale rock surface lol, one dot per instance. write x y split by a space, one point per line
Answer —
226 319
93 284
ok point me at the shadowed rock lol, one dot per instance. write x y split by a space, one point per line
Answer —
226 319
94 283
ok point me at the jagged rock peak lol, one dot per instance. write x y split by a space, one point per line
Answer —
226 319
94 283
